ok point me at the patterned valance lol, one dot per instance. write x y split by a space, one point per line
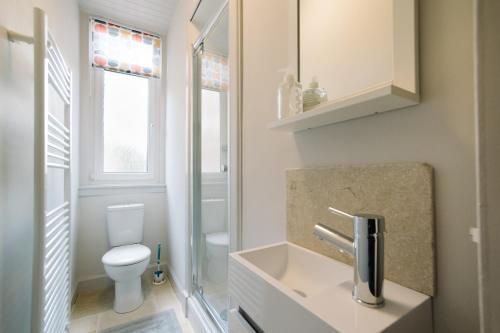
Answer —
124 50
214 72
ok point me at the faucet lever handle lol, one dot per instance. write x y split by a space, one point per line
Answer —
340 213
367 224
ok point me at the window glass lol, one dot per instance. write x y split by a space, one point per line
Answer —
210 131
125 123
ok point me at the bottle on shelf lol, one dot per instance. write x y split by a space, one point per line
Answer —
289 96
314 95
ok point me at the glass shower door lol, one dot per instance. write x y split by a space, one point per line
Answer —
210 176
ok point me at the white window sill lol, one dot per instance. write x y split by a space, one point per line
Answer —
115 189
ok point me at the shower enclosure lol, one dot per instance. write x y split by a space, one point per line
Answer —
210 183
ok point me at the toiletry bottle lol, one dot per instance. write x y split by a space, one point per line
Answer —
314 95
284 95
296 101
289 96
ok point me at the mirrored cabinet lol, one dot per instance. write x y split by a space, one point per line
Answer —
362 53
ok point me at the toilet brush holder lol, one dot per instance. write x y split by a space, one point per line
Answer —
158 275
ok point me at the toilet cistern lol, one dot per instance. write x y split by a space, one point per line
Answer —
127 259
367 248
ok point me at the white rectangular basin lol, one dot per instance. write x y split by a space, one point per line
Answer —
286 288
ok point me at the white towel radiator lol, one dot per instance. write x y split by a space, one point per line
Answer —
52 215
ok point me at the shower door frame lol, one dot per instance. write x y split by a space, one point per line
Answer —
196 187
233 8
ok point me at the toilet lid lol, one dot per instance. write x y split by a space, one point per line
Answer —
218 238
126 255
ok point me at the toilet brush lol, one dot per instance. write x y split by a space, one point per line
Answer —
158 275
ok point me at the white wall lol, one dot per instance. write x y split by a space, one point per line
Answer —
178 59
87 118
440 131
92 234
16 149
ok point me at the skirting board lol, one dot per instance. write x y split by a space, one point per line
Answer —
193 310
180 292
103 281
199 319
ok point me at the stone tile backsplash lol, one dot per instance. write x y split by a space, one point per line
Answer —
401 192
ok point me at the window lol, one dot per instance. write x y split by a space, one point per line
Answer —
127 136
126 70
125 123
214 82
210 123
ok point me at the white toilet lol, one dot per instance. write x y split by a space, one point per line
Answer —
127 259
217 244
216 238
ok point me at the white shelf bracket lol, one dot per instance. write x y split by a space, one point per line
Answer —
15 37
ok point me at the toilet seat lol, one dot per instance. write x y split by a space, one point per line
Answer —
218 238
126 255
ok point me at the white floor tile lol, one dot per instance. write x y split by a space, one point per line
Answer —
94 311
110 318
84 325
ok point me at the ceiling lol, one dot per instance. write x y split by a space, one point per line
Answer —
217 40
205 12
150 15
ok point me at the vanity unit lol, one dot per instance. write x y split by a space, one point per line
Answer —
286 288
308 285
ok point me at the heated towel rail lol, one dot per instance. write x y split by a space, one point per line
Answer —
52 215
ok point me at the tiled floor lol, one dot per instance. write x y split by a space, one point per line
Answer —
93 311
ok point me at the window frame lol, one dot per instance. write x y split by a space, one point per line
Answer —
154 135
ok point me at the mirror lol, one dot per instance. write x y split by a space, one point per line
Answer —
364 54
355 46
345 44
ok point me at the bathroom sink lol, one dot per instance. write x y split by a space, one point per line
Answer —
286 288
295 268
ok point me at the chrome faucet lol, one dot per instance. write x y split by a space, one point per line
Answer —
367 248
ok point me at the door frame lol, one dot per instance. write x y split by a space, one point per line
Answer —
234 122
487 104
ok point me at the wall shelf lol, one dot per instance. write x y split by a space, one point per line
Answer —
380 98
